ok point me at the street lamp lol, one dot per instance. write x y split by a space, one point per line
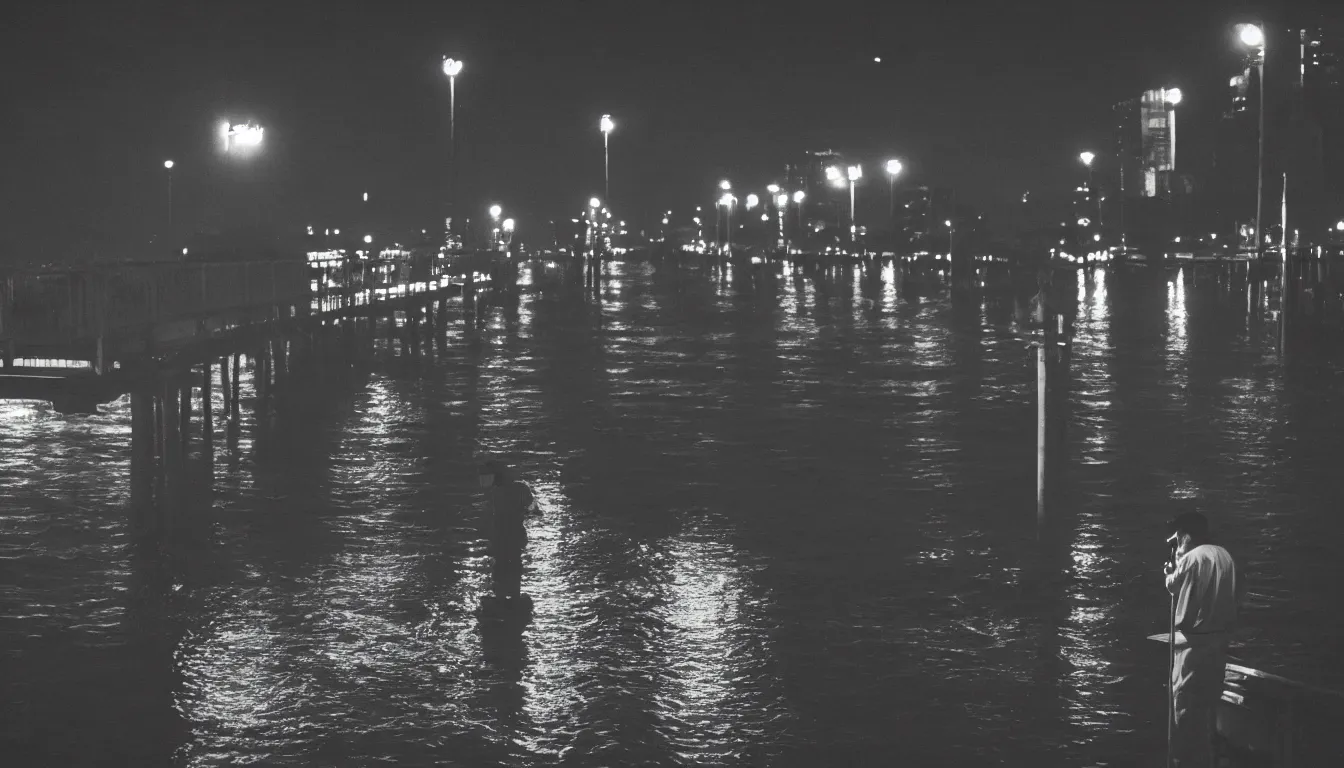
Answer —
752 201
452 68
834 176
1253 36
725 185
894 168
1087 158
168 165
606 125
855 173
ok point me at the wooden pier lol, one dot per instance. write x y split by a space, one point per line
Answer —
168 334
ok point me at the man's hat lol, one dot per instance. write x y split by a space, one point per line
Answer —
1192 523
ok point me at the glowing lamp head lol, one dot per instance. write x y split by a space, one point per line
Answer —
832 173
1251 35
495 210
1174 96
773 189
894 167
1087 158
781 200
246 135
168 164
725 185
368 238
606 124
1339 225
855 172
451 67
798 196
727 200
752 201
508 225
947 223
594 203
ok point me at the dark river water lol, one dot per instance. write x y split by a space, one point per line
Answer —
785 522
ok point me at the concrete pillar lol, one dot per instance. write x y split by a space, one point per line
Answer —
99 366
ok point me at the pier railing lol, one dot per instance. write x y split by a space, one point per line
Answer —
71 306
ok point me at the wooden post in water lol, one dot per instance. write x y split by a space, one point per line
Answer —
224 390
1042 375
142 455
160 452
172 449
237 383
184 429
207 420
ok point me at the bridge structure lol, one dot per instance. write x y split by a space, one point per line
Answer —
172 334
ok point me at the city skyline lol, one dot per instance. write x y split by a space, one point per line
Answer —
354 101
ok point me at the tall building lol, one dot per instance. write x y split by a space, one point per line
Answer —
1136 190
921 216
822 207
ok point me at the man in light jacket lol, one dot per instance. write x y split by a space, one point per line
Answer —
1203 583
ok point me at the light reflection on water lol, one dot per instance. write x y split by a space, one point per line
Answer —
786 520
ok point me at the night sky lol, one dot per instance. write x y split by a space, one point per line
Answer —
994 98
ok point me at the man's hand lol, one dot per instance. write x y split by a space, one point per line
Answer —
1168 568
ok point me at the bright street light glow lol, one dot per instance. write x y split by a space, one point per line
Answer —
725 185
368 238
508 225
947 223
773 189
832 174
1252 36
451 67
855 172
366 197
781 200
168 164
1087 158
248 135
894 167
798 196
752 201
495 210
1174 96
606 124
727 200
593 202
1339 225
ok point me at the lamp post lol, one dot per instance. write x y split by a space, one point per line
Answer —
607 126
798 198
854 173
168 165
893 170
452 68
1253 36
727 202
495 211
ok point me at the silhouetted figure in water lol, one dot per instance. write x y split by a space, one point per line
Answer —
510 500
